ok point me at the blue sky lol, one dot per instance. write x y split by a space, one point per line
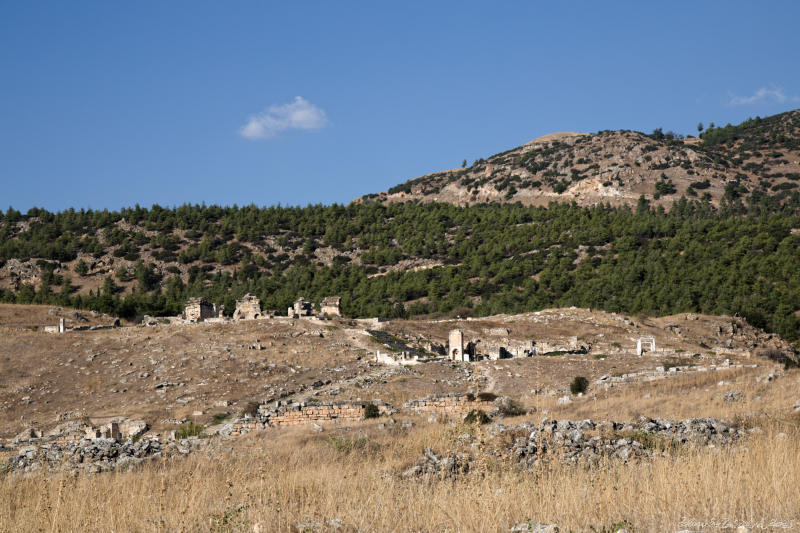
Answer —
109 104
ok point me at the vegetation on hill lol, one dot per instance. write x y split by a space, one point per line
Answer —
739 259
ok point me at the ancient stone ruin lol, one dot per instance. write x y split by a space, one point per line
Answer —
494 349
400 358
107 431
199 309
454 403
296 414
61 328
455 346
498 345
330 306
301 308
248 308
645 342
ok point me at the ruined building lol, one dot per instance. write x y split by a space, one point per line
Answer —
455 346
301 308
248 308
199 309
645 344
330 306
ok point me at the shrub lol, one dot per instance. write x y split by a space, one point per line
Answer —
220 418
487 396
81 268
560 186
579 385
675 362
371 411
664 188
189 430
507 407
345 445
476 416
779 356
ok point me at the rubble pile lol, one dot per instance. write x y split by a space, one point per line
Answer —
582 441
99 455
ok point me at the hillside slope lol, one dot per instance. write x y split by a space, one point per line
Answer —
617 167
402 259
164 374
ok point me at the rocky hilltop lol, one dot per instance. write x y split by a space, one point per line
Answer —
619 167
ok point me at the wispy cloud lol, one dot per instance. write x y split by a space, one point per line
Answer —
297 115
766 94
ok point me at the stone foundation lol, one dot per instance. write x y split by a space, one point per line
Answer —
297 414
451 403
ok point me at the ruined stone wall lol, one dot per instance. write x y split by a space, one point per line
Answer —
455 345
330 306
199 309
450 403
330 310
300 413
248 308
193 311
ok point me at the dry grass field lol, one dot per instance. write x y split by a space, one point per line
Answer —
347 480
350 477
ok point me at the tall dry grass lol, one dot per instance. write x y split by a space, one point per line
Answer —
697 394
276 479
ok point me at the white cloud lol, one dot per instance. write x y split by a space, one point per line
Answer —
297 115
766 94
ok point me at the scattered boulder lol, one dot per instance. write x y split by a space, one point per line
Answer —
535 527
506 406
431 464
564 400
732 396
99 455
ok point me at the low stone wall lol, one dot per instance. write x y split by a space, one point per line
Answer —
451 403
663 373
297 414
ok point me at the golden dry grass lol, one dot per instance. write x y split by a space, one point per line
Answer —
696 394
279 478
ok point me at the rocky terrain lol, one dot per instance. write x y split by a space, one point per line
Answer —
619 167
178 370
158 378
94 456
584 441
256 410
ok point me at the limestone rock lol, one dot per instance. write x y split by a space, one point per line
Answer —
535 527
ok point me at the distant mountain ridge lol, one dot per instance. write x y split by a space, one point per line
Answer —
618 167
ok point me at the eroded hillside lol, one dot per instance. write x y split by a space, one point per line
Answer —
619 167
